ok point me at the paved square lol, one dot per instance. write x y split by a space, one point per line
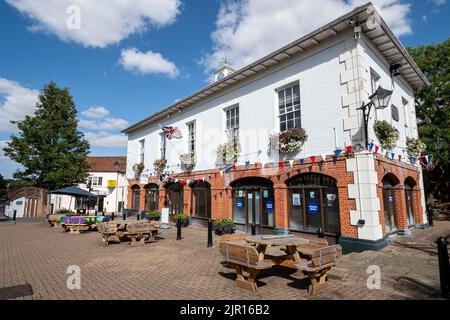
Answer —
35 257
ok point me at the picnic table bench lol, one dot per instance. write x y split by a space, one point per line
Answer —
249 253
243 257
136 231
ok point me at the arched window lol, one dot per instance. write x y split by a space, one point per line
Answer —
201 200
175 198
389 203
409 197
135 197
253 201
313 203
151 197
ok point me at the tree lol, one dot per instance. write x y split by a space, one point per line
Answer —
433 114
49 147
2 186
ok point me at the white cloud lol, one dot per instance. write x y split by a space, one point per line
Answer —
106 139
96 113
147 63
439 2
102 22
17 102
101 129
246 30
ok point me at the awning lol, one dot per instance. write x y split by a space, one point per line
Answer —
73 191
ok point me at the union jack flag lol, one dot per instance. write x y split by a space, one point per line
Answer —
172 132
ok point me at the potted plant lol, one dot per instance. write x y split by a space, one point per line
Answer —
65 212
138 168
291 140
224 226
154 215
160 164
415 147
188 160
183 219
386 133
229 151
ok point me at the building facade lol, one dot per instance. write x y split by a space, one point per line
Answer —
106 180
359 195
28 202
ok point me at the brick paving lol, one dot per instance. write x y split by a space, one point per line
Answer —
35 257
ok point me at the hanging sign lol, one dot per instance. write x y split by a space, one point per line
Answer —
391 198
313 207
269 205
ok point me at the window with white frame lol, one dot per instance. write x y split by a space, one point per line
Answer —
142 150
289 107
191 137
232 122
406 115
163 145
95 181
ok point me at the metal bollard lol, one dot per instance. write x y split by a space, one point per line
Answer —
138 217
124 216
444 267
178 229
210 240
14 216
112 216
320 233
430 217
253 228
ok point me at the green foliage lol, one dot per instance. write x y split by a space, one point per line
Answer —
66 212
386 133
154 215
415 147
138 168
181 217
2 186
160 164
49 147
433 113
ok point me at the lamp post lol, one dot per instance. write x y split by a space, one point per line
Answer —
117 168
380 100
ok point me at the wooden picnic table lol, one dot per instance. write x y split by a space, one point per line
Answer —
292 256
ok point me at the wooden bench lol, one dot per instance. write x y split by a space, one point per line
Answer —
322 260
243 257
136 231
142 232
235 238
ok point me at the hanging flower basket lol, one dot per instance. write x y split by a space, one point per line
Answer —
138 168
188 160
415 147
386 133
291 140
229 151
160 165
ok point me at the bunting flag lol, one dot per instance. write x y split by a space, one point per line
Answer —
376 149
302 161
371 146
324 156
337 153
313 159
221 173
399 157
281 164
420 160
291 162
429 159
209 177
349 149
263 164
247 163
392 155
234 166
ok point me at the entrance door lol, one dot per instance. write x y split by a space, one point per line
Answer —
409 205
313 207
253 210
389 210
175 201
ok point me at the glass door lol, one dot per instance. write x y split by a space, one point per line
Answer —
313 205
409 206
253 210
389 210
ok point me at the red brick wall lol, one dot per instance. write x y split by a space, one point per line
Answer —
222 195
401 171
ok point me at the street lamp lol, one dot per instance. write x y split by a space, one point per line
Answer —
380 100
117 168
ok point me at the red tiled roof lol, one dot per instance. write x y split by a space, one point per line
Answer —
106 164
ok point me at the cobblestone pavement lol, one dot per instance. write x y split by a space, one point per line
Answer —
35 257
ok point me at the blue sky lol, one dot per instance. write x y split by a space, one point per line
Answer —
126 62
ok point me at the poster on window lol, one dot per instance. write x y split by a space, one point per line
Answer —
313 207
265 193
312 194
239 203
296 199
269 205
